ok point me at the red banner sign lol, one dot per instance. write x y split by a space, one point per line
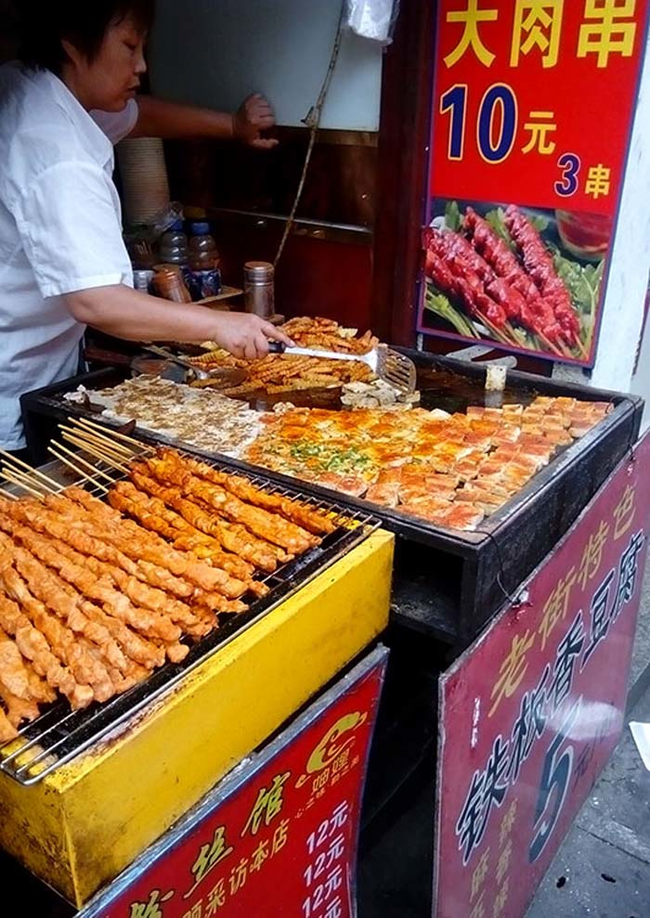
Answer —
279 836
531 713
532 113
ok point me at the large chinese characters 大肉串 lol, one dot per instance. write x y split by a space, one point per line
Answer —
532 113
280 837
537 705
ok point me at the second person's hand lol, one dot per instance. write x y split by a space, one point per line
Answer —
246 336
254 116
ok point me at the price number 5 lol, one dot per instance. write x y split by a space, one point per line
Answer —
554 785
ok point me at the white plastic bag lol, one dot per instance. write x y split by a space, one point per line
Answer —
372 19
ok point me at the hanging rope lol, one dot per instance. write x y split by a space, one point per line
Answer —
312 121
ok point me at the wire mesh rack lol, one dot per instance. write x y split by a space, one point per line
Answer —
60 734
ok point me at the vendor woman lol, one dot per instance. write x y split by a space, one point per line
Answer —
63 263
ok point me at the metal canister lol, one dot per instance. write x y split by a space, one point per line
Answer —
259 277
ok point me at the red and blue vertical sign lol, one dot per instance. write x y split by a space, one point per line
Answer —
532 711
532 114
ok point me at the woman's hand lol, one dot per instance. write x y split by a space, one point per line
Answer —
246 336
126 313
254 116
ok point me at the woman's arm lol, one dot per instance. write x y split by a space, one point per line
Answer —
170 120
136 316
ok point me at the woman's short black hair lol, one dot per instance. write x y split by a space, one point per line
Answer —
44 24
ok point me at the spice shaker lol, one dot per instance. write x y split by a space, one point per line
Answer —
168 283
259 288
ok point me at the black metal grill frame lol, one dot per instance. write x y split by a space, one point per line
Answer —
463 590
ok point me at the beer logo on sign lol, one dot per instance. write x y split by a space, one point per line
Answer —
335 741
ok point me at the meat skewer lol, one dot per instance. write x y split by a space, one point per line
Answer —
73 568
456 276
35 515
155 522
7 730
205 546
17 677
233 537
55 525
13 672
34 647
169 501
482 290
44 521
261 523
539 265
143 581
152 513
314 521
47 553
492 284
534 312
31 585
195 522
145 546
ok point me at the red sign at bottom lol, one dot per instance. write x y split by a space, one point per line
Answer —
278 836
532 711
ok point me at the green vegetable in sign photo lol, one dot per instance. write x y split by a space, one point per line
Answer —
438 304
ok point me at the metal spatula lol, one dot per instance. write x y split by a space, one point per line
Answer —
390 366
230 376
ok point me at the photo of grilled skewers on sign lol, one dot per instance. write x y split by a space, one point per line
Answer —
527 279
98 590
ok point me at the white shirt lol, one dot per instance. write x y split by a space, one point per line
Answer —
60 229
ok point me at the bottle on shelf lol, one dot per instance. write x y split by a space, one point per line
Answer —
204 260
173 248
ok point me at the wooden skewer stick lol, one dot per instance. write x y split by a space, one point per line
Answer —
584 353
500 334
95 451
21 484
85 437
141 447
96 438
548 344
124 451
31 479
105 434
508 331
19 462
84 475
93 469
8 494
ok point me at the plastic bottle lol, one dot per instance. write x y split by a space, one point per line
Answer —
204 261
173 246
203 249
